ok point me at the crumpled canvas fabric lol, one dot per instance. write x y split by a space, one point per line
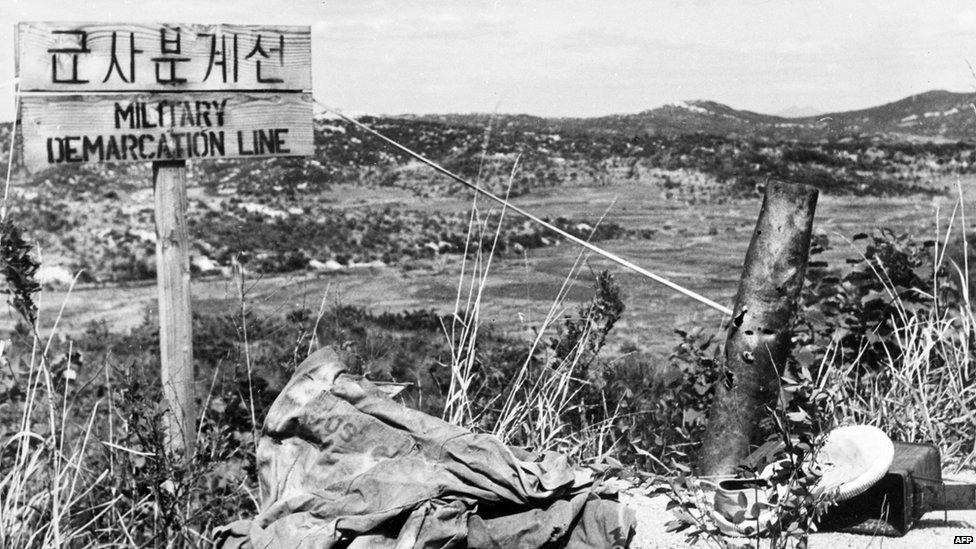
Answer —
343 465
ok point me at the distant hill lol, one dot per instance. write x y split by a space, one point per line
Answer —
933 114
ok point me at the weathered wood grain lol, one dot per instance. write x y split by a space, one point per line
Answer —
67 129
173 282
92 70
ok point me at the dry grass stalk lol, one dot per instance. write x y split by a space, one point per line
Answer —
924 392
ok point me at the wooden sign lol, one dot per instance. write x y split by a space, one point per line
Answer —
149 127
136 92
112 57
165 93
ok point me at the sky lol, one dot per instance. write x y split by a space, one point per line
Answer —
570 58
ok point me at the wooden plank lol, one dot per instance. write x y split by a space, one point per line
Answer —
112 57
148 127
173 282
758 340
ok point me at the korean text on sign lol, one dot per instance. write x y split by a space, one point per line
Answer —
163 57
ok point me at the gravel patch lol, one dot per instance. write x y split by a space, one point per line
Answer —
651 517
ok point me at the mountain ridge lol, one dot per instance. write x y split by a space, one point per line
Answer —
931 114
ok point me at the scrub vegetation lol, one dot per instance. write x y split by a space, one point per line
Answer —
885 334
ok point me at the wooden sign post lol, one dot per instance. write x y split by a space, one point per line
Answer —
175 319
165 93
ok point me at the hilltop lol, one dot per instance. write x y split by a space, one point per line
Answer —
933 114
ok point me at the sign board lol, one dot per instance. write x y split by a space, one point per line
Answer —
136 92
113 57
149 127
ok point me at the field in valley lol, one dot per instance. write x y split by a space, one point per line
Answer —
701 247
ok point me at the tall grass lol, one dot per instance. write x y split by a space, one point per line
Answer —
84 464
47 482
82 455
539 407
926 388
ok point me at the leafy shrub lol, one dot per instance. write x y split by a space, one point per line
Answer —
787 504
18 265
857 308
895 340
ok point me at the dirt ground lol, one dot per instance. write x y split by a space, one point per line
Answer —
931 532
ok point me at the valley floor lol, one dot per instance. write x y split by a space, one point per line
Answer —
701 247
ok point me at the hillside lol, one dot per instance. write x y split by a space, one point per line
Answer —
934 113
362 203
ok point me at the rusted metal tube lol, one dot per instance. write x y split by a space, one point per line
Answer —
758 340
